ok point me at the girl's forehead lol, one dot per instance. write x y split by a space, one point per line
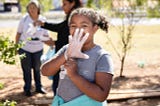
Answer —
80 19
80 16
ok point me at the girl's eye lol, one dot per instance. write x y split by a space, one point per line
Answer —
84 26
72 26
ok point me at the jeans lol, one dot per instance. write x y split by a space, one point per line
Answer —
29 62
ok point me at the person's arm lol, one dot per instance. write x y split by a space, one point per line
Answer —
52 66
98 90
49 42
17 37
50 26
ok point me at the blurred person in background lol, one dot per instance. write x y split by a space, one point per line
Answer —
33 38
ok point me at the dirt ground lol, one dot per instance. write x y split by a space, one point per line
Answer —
135 78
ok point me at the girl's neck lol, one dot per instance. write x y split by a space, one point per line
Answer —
88 47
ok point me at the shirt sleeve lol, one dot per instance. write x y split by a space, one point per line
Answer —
45 32
62 50
105 64
55 27
20 26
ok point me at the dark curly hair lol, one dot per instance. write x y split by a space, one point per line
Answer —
77 5
95 17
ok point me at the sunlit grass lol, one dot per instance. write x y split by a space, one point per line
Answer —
145 38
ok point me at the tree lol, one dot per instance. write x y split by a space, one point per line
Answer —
153 9
45 5
127 14
97 4
129 17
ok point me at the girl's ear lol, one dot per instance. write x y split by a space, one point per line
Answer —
95 28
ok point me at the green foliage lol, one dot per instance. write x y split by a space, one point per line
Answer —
140 2
100 4
1 86
23 4
8 103
153 12
90 3
45 5
8 50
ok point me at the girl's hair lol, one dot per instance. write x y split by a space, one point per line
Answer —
95 17
36 3
77 5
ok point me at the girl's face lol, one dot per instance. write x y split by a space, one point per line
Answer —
33 10
67 6
83 22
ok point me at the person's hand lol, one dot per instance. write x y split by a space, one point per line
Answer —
75 45
38 23
44 38
69 68
32 29
49 42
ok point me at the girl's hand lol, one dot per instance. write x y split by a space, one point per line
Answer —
71 67
75 45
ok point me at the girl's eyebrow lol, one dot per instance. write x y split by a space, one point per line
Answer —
84 22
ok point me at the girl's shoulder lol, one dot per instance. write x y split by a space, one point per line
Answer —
99 50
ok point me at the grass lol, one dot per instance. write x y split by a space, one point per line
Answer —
145 38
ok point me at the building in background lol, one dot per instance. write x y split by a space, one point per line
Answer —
10 6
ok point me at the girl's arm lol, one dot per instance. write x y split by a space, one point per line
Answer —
98 90
52 66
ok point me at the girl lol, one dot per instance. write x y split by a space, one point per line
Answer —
86 69
62 30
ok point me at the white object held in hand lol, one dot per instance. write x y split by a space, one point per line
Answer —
32 29
44 38
75 45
